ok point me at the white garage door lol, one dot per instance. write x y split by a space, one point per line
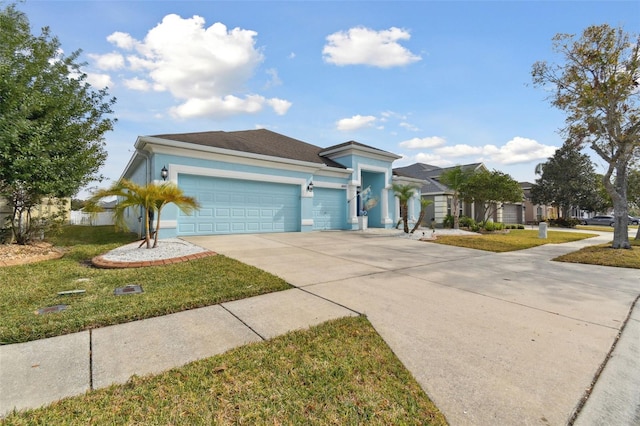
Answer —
329 209
233 206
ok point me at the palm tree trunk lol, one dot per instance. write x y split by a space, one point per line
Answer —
147 235
405 217
155 239
423 213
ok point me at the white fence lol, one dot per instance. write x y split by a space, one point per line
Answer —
96 219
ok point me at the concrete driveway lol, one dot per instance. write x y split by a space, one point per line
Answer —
494 339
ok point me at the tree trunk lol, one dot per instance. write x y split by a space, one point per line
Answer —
147 235
423 213
621 226
621 216
405 217
155 239
456 211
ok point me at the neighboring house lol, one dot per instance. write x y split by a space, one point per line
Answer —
534 213
442 196
48 207
260 181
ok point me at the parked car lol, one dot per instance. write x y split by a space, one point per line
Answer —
603 220
607 220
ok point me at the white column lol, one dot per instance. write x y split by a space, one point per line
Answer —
352 194
384 201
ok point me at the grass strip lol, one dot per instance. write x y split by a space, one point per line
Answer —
604 255
515 239
340 372
167 289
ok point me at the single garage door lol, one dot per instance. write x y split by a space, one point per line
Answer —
233 206
510 214
329 209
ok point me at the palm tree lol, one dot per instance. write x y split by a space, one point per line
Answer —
455 179
424 203
404 194
152 197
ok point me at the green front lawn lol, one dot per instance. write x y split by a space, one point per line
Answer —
515 239
604 255
25 289
340 372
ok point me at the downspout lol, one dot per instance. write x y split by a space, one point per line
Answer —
148 173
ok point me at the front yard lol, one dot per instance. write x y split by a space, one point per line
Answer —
166 289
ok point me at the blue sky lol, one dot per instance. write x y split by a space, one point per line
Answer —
442 83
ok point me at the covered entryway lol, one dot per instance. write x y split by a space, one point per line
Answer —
235 206
329 210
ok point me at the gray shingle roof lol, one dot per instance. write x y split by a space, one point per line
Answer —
430 174
260 141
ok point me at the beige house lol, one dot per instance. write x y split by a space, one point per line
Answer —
48 207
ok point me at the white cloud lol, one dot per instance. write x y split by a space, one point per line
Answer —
122 40
355 122
274 79
204 68
433 159
227 105
421 143
461 150
138 84
280 106
517 150
364 46
523 150
99 81
108 61
409 126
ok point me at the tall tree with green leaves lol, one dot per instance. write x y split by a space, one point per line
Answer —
404 193
152 197
489 189
597 87
568 180
455 178
52 122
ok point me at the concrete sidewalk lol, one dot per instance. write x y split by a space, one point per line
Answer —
36 373
507 339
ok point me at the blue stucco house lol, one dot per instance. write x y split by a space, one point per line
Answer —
257 181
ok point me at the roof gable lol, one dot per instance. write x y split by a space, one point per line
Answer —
260 141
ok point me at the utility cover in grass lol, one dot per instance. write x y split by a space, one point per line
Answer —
128 289
51 309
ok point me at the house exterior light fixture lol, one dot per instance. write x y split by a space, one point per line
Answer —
164 172
310 186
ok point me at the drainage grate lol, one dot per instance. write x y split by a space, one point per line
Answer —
51 309
71 292
128 289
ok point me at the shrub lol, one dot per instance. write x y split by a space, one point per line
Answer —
467 222
520 226
564 223
448 221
